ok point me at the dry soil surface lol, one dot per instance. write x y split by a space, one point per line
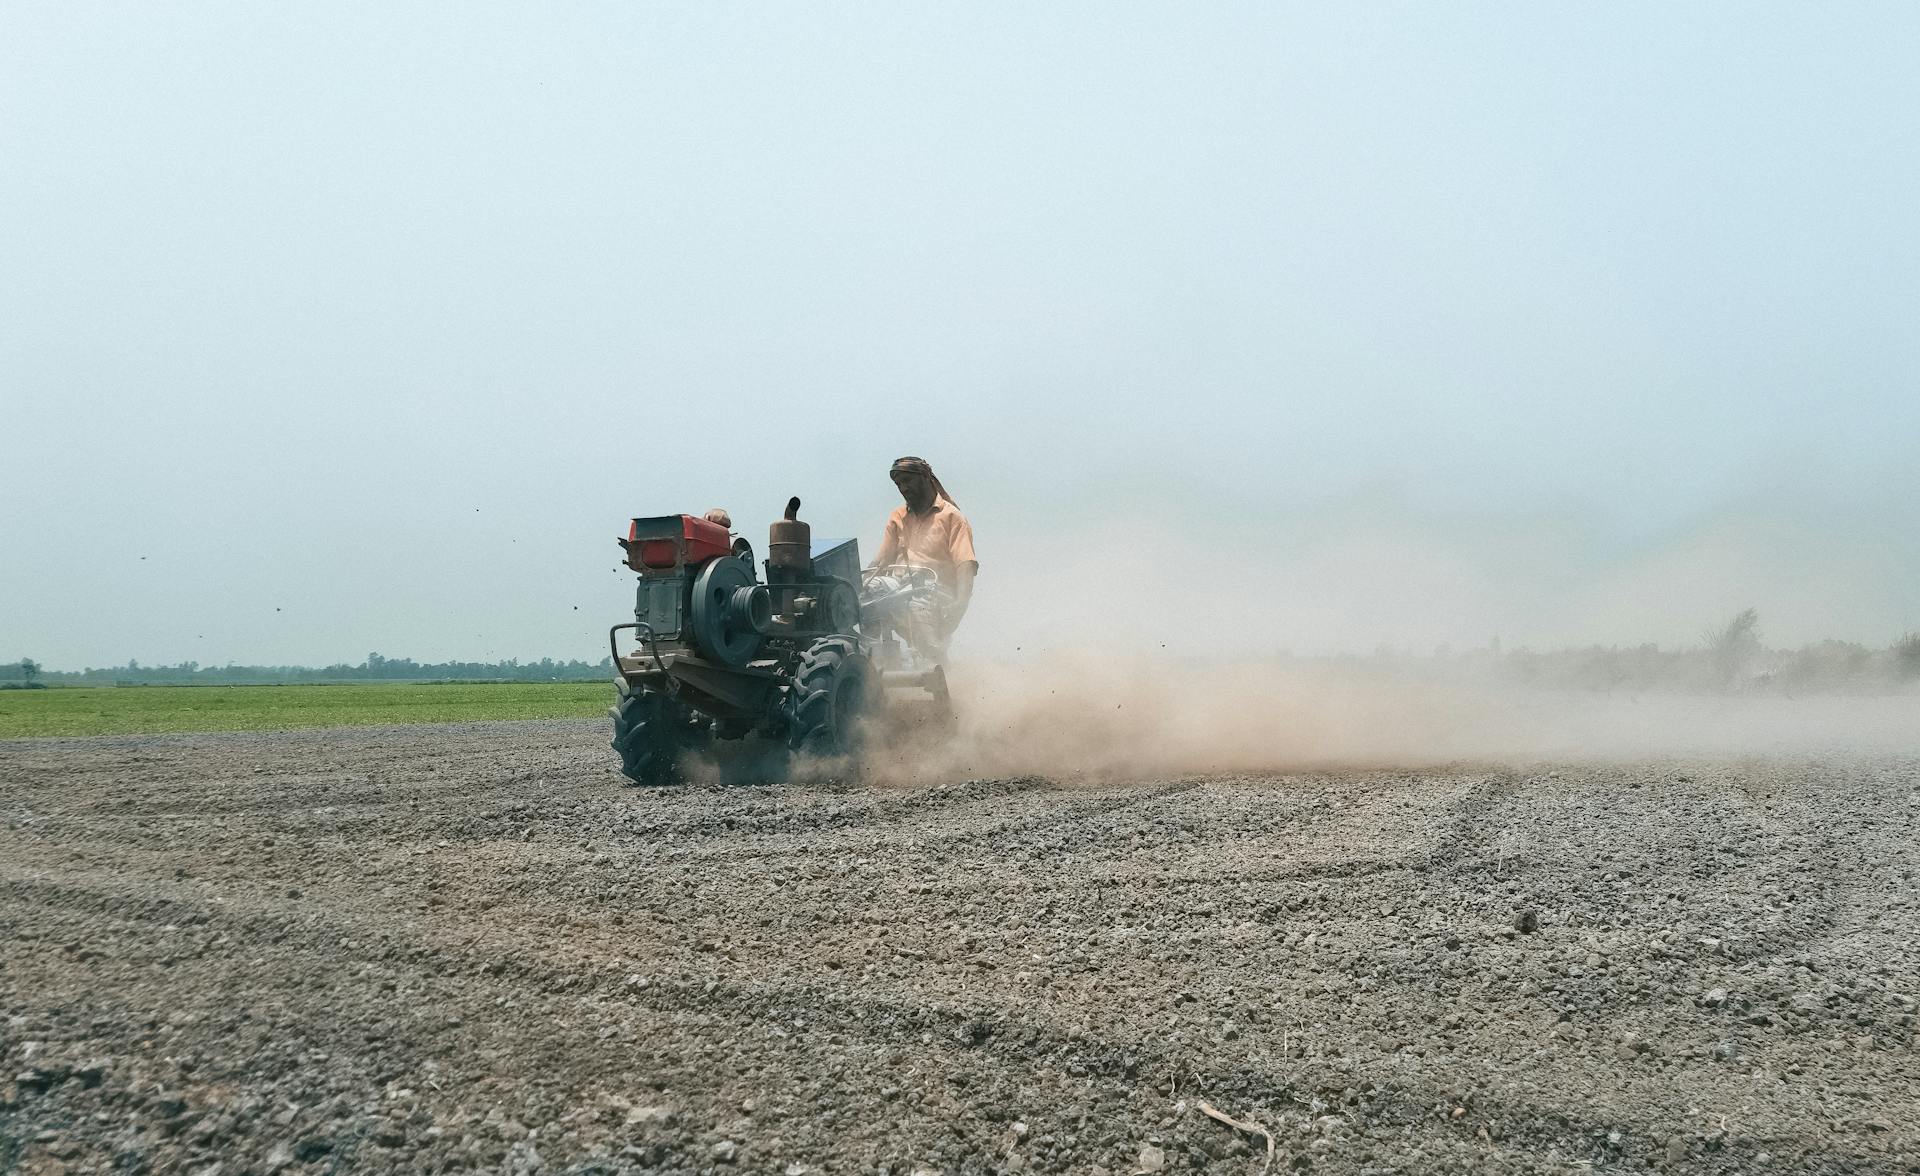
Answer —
469 948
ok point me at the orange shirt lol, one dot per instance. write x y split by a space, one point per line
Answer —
940 539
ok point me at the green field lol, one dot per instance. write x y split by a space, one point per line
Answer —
139 710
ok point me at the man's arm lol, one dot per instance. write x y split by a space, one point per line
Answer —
965 566
962 593
889 545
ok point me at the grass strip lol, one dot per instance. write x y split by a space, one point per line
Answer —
141 710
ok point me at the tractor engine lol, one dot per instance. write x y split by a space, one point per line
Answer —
713 637
694 593
698 591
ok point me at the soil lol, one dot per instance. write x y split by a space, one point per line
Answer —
471 948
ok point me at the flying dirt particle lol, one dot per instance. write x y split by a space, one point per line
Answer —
276 610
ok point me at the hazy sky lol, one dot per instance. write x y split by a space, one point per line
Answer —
333 328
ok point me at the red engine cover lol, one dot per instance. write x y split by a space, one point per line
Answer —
672 540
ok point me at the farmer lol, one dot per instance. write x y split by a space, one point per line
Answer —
927 532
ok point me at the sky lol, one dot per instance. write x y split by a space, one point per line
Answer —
334 328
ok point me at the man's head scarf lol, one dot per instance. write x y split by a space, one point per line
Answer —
918 465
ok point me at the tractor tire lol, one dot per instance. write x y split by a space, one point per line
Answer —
651 731
834 692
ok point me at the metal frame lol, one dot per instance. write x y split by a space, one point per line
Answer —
653 647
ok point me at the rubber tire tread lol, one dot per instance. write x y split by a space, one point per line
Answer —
644 738
810 727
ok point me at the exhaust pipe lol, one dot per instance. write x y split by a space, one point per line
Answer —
790 542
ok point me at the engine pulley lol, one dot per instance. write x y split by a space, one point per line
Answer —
730 612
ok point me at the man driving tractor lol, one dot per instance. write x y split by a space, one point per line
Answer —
813 656
927 536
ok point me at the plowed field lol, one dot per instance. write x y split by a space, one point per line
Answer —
442 949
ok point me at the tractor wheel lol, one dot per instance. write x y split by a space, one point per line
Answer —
834 688
650 731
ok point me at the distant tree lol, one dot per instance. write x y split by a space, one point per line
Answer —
1734 644
1906 656
29 670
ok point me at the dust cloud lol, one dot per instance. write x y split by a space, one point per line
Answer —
1086 716
1376 637
1355 577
